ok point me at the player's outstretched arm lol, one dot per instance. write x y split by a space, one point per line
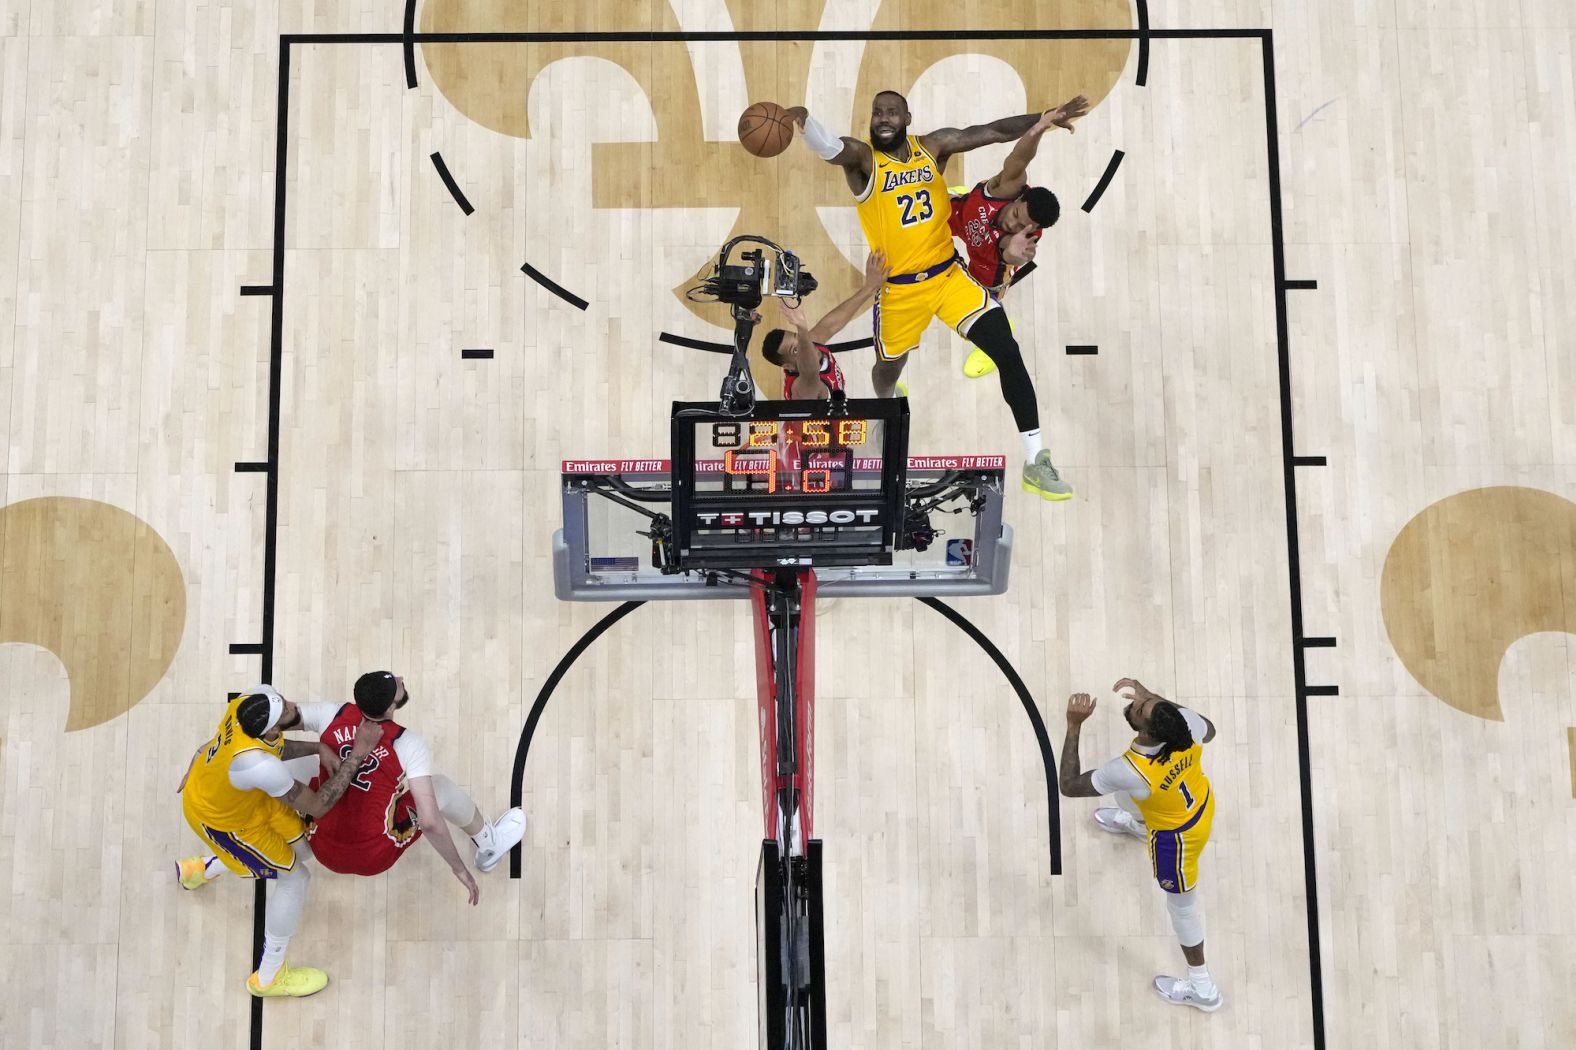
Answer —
294 749
1073 781
436 831
944 142
1014 174
847 153
837 318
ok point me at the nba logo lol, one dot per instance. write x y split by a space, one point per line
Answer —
960 552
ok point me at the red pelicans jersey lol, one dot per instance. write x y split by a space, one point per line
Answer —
831 373
370 826
974 222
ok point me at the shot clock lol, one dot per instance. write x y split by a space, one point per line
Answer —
791 484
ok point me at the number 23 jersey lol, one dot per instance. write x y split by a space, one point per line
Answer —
905 208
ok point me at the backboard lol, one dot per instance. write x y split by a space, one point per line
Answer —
612 508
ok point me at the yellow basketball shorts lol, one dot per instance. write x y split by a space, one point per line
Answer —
263 848
1174 853
903 311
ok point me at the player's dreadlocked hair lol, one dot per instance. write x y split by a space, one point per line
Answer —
1167 725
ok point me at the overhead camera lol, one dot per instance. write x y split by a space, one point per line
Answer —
743 284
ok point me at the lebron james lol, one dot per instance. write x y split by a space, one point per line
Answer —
897 180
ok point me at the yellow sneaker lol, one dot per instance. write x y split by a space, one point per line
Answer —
294 981
192 872
977 364
902 388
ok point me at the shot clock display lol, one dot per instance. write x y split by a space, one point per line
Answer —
792 484
787 455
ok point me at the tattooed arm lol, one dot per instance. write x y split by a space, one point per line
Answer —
316 803
1074 782
300 749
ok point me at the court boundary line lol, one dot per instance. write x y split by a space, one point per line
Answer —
1143 35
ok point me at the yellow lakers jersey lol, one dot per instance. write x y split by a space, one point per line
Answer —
904 210
1178 788
208 795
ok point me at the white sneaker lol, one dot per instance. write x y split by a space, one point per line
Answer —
1179 991
498 838
1119 821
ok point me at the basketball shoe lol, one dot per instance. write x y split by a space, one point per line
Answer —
498 838
1042 478
977 364
293 981
193 872
1119 821
1179 991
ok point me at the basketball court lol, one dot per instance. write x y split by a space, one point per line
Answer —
310 318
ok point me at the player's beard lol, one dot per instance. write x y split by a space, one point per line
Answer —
899 137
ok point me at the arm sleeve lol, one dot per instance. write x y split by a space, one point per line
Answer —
316 715
1195 723
414 755
822 143
258 770
1118 775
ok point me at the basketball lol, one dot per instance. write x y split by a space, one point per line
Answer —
765 129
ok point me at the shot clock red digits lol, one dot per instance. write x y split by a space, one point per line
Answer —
763 463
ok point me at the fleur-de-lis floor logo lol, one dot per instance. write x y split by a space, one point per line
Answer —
99 588
1470 576
682 168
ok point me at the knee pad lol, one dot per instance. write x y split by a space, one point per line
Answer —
1187 917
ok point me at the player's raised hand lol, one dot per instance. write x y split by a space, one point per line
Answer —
1064 115
1079 707
1019 248
369 734
1139 690
793 314
876 268
797 114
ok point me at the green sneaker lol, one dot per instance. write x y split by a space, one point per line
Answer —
1042 478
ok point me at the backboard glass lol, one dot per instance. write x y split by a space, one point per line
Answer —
604 552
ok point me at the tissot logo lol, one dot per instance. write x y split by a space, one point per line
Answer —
761 518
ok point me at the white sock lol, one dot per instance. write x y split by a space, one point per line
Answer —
1202 983
273 958
1031 444
213 867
